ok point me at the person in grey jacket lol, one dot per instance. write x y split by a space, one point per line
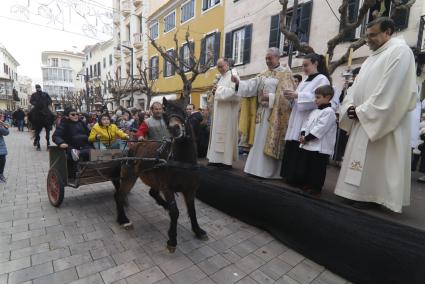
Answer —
4 130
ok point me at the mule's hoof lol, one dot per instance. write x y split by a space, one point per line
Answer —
128 226
203 237
171 249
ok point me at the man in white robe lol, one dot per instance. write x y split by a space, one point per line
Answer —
223 146
376 166
268 88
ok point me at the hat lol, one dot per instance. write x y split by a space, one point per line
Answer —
68 110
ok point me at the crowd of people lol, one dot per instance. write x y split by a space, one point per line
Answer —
292 125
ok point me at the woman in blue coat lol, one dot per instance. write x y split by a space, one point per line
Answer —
4 130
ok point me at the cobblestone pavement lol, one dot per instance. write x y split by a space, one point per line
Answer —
80 242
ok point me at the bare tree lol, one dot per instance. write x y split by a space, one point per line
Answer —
187 70
118 87
146 84
346 27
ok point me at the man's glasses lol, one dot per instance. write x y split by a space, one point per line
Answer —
73 114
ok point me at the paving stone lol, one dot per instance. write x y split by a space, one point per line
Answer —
276 268
4 256
271 250
213 264
3 279
175 265
92 279
148 276
244 248
28 251
64 276
249 263
119 272
14 265
50 255
206 280
188 276
71 261
28 234
47 238
261 277
14 245
285 279
201 254
247 280
305 272
328 277
291 257
228 275
30 273
95 266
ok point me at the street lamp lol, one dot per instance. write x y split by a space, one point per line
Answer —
131 73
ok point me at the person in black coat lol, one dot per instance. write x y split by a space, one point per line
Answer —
72 134
195 118
19 117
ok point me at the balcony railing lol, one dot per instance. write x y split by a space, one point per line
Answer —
128 44
138 40
137 2
421 40
117 53
126 7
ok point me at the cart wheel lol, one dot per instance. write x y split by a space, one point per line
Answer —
55 188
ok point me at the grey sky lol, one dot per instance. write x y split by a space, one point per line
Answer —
26 41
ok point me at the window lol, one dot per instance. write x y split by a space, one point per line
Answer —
302 24
91 71
153 70
168 67
110 59
95 70
238 45
187 11
54 62
65 63
104 62
206 4
210 49
185 56
170 22
153 30
98 68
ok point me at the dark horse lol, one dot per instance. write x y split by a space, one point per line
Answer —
41 117
172 168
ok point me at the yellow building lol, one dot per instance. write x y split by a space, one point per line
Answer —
205 21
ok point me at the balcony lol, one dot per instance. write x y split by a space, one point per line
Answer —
126 7
137 2
117 19
128 44
117 53
138 40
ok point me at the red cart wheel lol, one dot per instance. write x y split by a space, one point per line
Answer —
55 188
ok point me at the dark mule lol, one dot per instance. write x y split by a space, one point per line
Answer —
41 117
178 172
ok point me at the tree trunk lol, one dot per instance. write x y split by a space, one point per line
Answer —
187 90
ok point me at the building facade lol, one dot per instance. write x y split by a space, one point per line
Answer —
204 20
8 80
24 92
315 23
130 46
62 74
99 65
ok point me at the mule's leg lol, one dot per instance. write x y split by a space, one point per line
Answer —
122 188
189 198
37 138
158 198
47 136
173 211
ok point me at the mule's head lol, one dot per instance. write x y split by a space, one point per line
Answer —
175 117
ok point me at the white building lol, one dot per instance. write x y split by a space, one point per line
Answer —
61 74
130 30
8 79
99 64
25 91
252 25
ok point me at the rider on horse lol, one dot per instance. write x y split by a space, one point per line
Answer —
40 115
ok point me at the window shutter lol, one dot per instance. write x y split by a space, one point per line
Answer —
247 44
173 69
203 47
305 21
98 68
274 39
216 47
165 67
204 5
150 69
217 1
192 47
181 56
401 18
353 11
228 46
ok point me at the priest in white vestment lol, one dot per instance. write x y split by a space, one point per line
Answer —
376 166
264 159
223 146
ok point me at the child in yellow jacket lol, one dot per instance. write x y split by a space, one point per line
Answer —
104 134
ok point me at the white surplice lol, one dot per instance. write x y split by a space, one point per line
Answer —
258 163
376 166
304 105
223 147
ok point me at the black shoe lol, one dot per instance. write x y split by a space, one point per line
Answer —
421 179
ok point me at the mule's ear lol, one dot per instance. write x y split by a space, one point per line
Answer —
164 101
